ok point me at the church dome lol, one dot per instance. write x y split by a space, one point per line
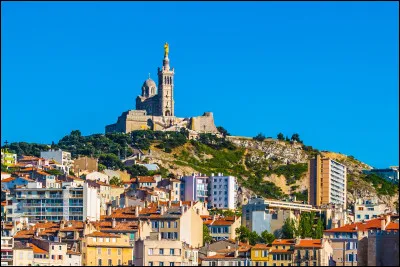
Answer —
149 83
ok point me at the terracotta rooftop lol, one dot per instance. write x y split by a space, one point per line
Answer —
278 242
360 226
309 243
38 250
7 180
106 226
261 246
146 179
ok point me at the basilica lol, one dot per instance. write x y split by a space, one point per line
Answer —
155 108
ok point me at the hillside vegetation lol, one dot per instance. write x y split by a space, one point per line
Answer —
264 166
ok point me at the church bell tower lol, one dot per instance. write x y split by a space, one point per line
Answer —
166 87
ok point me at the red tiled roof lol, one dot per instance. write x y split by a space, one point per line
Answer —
309 243
38 250
360 226
261 246
146 179
278 242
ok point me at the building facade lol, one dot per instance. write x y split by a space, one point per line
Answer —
63 201
328 182
60 157
366 209
196 188
105 249
223 191
7 158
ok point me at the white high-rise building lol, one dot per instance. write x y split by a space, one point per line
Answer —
195 188
223 191
62 158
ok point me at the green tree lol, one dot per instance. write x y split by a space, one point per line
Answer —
137 170
101 167
259 137
289 229
4 168
319 230
55 172
116 181
267 237
242 233
296 137
223 131
111 161
254 238
281 137
206 234
306 224
287 139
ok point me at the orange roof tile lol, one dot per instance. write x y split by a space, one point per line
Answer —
309 243
360 226
278 242
281 251
261 246
146 179
8 180
38 250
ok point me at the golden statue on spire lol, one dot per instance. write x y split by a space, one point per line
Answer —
166 49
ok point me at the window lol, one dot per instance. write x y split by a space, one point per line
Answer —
109 262
161 263
162 225
119 251
60 257
107 239
150 263
119 262
168 224
101 240
53 257
59 247
150 252
176 224
256 253
171 251
52 247
100 262
109 251
366 216
358 216
171 264
99 251
161 251
94 239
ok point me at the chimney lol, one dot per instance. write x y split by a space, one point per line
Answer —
109 211
162 210
182 209
137 211
383 224
180 203
297 241
169 204
113 223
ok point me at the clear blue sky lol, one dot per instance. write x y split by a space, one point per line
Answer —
326 70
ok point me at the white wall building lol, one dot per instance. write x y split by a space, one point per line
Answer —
368 209
223 191
61 157
98 176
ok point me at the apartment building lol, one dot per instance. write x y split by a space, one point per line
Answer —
349 239
269 215
328 182
7 232
312 252
195 188
7 158
223 191
222 228
366 209
62 201
282 251
60 157
156 251
174 220
85 165
106 249
236 254
260 255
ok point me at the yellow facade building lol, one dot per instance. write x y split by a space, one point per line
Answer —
260 255
104 249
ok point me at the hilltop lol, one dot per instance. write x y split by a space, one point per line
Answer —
267 167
